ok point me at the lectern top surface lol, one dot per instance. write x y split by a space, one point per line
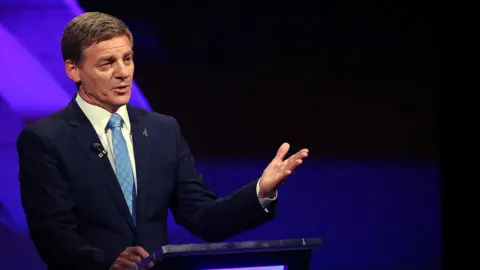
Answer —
285 244
206 250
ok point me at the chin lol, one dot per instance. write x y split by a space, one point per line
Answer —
121 100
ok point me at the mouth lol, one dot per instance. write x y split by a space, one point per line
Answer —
121 89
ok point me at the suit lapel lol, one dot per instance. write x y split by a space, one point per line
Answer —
84 133
142 150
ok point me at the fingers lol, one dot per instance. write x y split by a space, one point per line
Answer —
292 166
130 257
299 155
282 151
139 251
123 264
292 162
284 168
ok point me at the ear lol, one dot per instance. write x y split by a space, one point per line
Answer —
73 71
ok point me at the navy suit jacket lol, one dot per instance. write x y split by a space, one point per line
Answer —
76 213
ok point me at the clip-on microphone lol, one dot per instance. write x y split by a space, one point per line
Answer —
98 148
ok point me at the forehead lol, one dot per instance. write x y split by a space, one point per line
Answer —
115 46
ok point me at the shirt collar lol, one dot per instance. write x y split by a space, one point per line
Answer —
99 117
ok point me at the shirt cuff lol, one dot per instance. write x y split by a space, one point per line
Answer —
265 202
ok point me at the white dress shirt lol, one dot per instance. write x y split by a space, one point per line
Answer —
99 118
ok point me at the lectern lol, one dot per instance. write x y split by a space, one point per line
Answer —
289 254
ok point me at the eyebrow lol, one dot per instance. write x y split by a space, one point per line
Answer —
112 57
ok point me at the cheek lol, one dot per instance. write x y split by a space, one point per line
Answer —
104 84
98 82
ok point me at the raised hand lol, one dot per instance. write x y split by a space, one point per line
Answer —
279 169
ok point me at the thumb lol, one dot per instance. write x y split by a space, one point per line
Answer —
282 151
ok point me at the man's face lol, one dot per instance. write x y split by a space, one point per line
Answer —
106 74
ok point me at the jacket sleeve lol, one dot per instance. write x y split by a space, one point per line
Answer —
196 207
49 207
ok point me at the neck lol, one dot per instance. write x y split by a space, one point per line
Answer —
89 98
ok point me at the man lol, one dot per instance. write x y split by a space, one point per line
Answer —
98 177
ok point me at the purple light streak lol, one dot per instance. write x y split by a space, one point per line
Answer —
34 83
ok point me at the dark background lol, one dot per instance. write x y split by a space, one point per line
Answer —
348 79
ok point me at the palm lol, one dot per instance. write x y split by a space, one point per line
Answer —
279 169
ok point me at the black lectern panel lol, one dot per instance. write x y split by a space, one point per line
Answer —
291 254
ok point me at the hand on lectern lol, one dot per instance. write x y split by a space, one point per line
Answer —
278 170
129 258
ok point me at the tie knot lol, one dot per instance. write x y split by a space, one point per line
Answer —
114 121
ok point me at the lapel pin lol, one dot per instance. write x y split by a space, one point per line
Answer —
145 132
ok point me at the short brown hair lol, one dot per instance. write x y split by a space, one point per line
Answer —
87 29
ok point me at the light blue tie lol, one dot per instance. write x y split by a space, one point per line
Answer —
123 168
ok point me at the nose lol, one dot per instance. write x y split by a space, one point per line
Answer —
121 71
